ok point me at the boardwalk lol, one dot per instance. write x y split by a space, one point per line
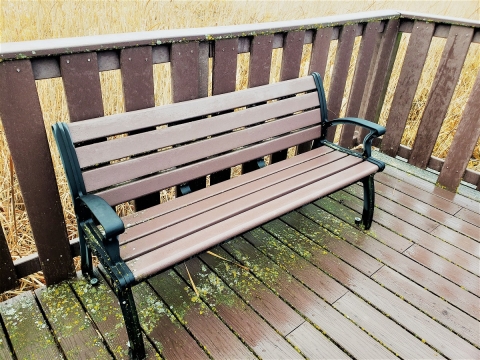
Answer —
307 285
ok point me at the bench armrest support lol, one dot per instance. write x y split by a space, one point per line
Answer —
95 208
375 131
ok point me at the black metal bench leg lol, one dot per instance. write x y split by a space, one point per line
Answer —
85 256
368 201
134 331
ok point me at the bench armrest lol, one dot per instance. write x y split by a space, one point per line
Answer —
375 131
94 207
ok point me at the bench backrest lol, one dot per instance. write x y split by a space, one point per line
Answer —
126 156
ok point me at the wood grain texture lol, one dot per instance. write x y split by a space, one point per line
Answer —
422 325
351 338
463 142
81 81
198 318
446 78
415 57
66 316
20 315
339 75
240 317
8 277
368 45
22 121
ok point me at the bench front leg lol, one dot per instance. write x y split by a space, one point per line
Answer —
368 201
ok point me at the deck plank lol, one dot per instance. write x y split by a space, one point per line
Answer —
445 313
198 318
432 281
162 328
469 216
395 221
5 351
461 241
74 330
27 329
103 308
234 312
338 328
396 308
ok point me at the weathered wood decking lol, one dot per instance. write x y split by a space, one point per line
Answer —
311 285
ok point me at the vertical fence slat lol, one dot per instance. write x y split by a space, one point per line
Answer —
260 60
443 86
369 42
136 65
291 60
340 73
8 277
224 80
81 81
320 49
463 142
186 85
379 74
185 71
259 74
25 132
413 63
318 63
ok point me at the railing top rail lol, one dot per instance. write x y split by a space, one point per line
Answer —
439 19
51 47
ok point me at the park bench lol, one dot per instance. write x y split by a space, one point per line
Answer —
123 157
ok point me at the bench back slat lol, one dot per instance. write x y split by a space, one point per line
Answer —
81 81
141 166
123 123
152 140
125 192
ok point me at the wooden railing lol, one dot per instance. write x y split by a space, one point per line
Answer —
78 62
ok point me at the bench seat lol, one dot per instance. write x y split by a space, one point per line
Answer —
133 156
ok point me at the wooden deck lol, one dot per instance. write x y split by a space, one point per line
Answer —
311 285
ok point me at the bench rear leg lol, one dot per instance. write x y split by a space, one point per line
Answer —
368 201
134 331
85 256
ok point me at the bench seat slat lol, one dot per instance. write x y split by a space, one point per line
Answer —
135 144
134 168
141 119
196 242
131 190
166 219
177 203
222 212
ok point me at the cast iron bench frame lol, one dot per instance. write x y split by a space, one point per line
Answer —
99 226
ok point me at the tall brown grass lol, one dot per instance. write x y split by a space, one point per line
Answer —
31 20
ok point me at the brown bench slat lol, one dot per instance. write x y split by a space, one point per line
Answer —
443 86
143 142
201 240
123 123
224 207
185 67
133 219
370 40
131 190
463 142
412 67
228 195
81 82
137 167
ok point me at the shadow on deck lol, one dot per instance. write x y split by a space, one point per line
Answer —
309 284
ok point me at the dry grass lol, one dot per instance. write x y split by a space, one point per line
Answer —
30 20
